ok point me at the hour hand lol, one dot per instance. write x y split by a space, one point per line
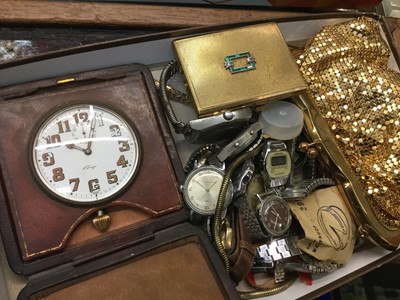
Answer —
73 146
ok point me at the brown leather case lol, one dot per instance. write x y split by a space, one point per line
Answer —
41 228
178 263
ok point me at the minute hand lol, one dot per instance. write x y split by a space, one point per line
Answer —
92 131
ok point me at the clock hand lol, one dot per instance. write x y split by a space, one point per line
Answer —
212 184
275 213
73 146
83 131
206 189
276 221
92 131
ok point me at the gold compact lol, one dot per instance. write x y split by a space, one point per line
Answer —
240 67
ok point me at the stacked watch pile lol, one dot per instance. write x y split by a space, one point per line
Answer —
249 164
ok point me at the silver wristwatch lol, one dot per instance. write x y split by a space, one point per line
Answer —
276 162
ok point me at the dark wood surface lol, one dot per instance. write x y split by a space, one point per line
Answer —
127 15
46 26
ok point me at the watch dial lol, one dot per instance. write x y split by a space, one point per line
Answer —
85 154
202 187
275 215
278 164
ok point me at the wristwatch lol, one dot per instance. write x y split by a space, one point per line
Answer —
276 162
202 185
211 129
241 142
274 214
217 155
201 189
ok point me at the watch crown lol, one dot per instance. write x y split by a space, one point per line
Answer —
102 221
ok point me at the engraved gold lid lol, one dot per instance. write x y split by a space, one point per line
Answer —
245 66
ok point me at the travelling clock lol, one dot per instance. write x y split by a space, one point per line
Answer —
85 154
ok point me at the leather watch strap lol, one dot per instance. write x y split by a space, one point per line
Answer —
250 220
241 259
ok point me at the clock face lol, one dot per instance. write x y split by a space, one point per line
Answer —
202 187
85 154
275 215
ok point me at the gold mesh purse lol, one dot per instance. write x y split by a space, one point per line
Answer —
352 109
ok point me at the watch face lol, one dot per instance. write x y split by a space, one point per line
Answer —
85 154
202 187
275 215
278 163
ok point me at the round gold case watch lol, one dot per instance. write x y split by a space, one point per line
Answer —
85 154
201 189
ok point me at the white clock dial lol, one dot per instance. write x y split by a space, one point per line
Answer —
202 187
85 154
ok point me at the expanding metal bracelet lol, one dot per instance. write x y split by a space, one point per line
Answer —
202 152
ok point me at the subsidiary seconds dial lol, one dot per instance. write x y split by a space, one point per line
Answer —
85 154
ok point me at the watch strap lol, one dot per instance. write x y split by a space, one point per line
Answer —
241 142
251 223
241 259
196 218
176 95
278 249
205 151
170 70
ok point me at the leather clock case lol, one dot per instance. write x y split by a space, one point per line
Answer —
36 226
179 262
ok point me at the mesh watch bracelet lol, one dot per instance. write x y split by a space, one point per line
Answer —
250 220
